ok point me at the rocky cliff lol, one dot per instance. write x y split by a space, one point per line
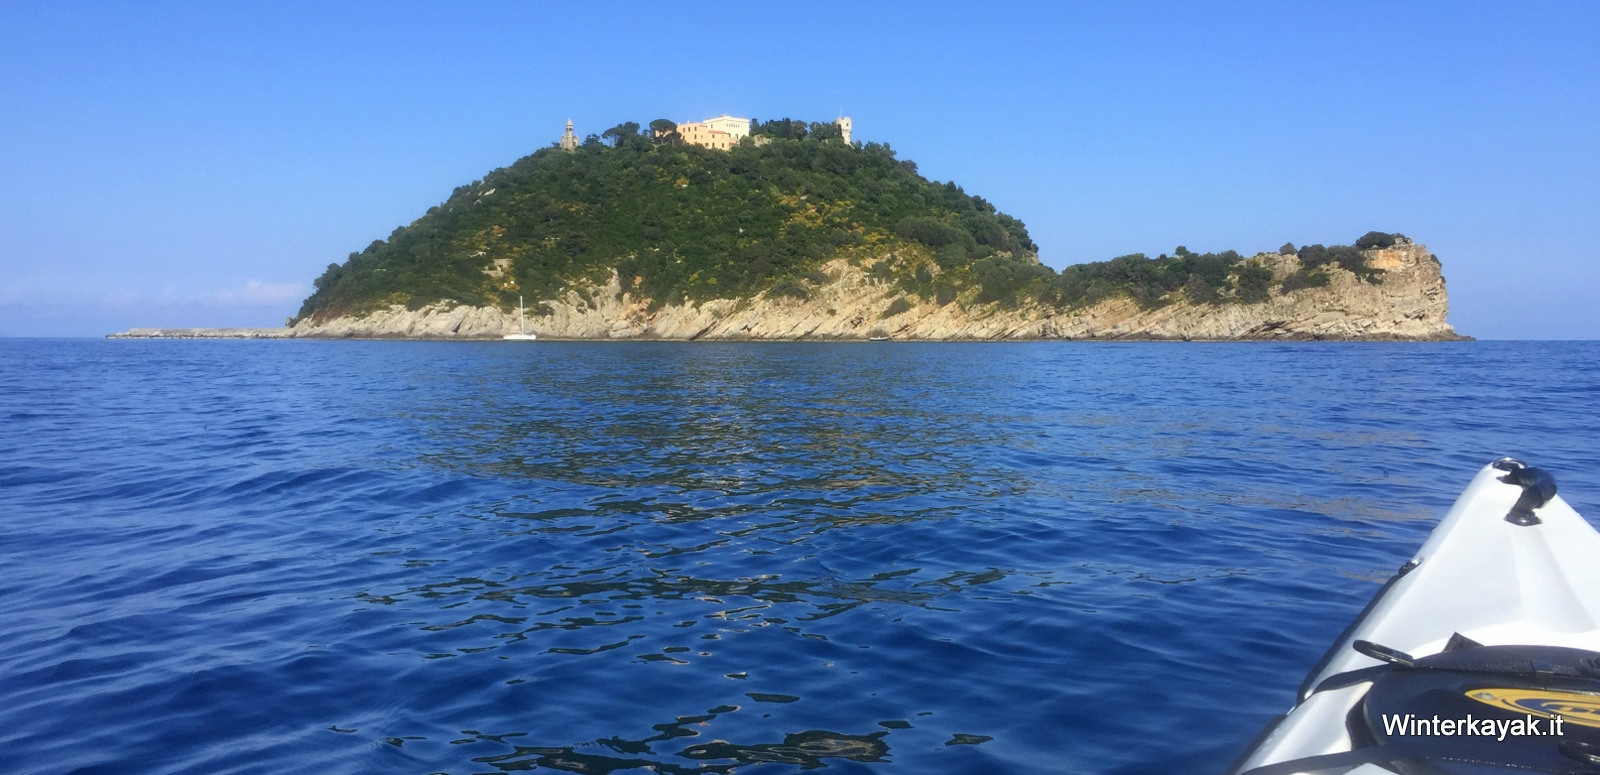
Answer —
1405 299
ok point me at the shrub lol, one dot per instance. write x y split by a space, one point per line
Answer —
952 255
1148 296
1200 291
788 287
930 232
1305 278
1348 257
1376 239
1254 283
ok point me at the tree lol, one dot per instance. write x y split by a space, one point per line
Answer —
330 277
829 131
664 130
615 135
783 128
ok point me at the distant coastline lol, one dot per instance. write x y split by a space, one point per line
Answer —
203 333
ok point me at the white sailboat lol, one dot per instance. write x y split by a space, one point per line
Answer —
522 325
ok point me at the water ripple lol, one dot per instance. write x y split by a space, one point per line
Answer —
713 558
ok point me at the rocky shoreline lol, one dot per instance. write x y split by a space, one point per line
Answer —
287 333
1409 303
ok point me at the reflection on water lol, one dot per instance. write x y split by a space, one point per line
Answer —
808 750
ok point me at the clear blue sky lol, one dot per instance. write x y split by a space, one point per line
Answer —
199 163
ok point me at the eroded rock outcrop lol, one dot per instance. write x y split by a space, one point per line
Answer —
1406 300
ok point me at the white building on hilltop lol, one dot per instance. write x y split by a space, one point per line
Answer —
725 131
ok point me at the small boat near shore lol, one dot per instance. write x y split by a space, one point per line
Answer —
522 326
1481 655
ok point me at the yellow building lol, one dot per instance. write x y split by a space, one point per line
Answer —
696 133
720 133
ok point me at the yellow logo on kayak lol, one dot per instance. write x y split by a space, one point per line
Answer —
1582 709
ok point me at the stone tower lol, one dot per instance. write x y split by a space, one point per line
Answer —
844 128
569 141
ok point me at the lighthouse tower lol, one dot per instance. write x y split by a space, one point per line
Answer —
569 141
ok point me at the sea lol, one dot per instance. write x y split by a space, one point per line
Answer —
668 557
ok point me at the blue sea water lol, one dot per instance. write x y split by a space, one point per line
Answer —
410 557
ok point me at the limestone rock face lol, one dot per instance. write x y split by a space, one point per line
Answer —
1409 302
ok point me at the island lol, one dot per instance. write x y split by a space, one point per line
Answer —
739 229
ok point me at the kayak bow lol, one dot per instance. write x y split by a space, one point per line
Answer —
1481 655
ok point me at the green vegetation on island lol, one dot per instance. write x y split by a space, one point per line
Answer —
681 223
677 222
1204 278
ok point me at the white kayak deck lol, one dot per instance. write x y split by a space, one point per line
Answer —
1493 581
